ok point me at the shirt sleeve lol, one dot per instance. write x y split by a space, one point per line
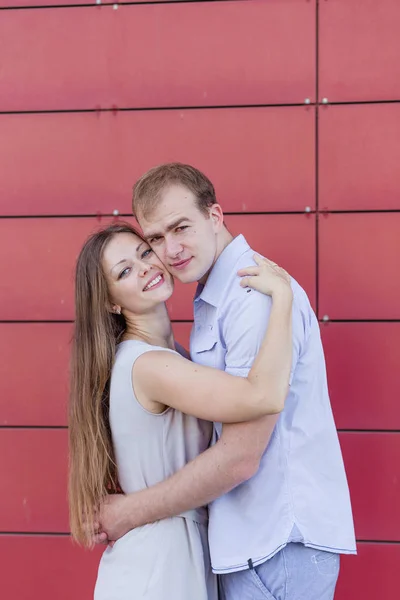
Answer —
243 329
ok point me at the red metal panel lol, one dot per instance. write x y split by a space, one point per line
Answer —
179 54
37 277
372 465
363 373
48 568
358 263
359 149
359 47
48 249
259 159
287 239
182 333
33 494
33 480
64 571
34 373
180 306
373 574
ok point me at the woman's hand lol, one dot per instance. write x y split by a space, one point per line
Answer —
266 277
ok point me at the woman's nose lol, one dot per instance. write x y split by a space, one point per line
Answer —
144 268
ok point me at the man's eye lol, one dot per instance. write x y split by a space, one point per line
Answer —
147 252
154 240
181 227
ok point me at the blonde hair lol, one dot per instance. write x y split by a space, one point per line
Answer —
148 189
92 468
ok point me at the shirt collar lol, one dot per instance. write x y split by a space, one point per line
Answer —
214 287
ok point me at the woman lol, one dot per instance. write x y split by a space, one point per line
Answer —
139 411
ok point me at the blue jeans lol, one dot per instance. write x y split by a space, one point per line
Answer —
294 573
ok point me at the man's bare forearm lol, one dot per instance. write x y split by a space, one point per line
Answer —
210 475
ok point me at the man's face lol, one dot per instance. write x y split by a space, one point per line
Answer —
183 237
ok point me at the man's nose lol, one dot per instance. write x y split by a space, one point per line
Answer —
173 247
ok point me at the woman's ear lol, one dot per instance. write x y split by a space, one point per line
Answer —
115 309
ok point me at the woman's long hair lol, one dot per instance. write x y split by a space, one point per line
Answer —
92 468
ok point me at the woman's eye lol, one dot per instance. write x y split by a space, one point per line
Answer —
147 252
124 273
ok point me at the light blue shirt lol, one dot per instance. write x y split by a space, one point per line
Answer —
300 491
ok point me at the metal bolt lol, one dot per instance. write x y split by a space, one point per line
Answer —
324 100
115 212
98 1
325 318
307 209
307 101
115 6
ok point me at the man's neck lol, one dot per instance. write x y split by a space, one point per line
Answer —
224 239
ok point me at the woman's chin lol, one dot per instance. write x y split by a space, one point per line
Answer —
169 291
165 292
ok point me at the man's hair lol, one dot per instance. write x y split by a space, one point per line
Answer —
148 190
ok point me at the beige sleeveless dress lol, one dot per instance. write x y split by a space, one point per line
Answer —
169 559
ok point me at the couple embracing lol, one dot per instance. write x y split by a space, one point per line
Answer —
224 461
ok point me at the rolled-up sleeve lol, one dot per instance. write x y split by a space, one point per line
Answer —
243 328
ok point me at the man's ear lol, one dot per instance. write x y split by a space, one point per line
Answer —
217 216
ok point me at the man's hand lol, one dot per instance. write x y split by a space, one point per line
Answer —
113 519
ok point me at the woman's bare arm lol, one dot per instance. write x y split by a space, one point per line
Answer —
214 395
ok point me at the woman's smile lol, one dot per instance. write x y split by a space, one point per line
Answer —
155 281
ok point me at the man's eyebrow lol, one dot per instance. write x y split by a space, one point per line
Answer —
169 227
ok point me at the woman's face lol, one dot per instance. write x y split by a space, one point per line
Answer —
137 280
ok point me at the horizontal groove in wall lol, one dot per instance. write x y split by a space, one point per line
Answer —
18 427
129 216
322 212
116 109
29 322
394 543
50 321
351 102
322 321
395 431
95 5
36 533
190 321
67 534
63 427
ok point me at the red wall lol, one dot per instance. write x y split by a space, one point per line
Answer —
290 107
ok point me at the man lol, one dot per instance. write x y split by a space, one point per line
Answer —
280 512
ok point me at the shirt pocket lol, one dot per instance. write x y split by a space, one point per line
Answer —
204 348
